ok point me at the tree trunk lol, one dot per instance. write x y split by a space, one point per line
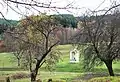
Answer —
18 61
62 39
108 63
33 76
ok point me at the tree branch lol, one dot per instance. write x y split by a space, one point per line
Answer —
42 6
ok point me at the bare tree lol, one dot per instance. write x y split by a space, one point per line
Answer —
104 40
37 34
14 46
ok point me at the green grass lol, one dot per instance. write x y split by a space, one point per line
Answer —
22 80
64 47
7 60
64 65
5 73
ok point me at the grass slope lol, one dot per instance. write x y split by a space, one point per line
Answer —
65 66
7 60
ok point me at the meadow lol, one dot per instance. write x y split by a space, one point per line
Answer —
64 70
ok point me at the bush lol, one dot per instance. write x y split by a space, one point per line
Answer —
105 79
20 75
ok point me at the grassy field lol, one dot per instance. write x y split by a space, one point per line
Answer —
64 69
7 60
65 66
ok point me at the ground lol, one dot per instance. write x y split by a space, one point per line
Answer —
64 70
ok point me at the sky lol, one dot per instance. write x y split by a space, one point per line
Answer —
82 4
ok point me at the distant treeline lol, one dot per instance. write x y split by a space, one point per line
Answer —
68 21
8 22
5 24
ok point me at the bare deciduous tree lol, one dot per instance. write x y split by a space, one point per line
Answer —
14 46
37 35
104 35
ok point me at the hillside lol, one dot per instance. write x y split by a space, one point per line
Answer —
5 24
8 22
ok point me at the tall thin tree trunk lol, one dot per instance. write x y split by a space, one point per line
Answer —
18 59
33 77
62 36
35 72
108 63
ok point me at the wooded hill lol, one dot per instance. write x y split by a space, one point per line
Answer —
8 22
4 24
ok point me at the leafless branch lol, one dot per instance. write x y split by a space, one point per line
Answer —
41 5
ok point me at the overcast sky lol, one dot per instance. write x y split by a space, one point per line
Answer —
83 4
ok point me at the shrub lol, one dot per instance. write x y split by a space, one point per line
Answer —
20 75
